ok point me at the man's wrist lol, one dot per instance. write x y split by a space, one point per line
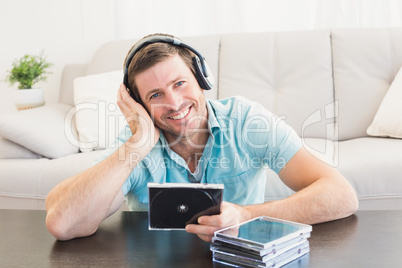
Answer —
245 213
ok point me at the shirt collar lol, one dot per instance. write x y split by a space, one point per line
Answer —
212 120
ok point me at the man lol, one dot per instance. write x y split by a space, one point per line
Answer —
175 135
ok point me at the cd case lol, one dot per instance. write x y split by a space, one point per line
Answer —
174 205
262 233
261 242
262 254
280 259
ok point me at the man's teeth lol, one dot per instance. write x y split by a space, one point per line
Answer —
181 115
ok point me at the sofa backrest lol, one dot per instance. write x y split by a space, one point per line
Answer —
365 62
290 73
325 84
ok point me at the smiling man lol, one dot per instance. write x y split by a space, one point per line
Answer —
174 134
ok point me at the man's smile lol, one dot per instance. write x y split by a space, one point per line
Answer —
181 115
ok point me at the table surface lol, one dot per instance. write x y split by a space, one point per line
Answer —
366 239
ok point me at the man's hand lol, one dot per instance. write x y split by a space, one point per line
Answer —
138 119
231 215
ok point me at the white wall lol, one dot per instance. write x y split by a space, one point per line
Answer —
69 31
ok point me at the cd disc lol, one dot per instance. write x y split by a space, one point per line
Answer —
177 207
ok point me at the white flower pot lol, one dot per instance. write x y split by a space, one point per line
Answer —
29 98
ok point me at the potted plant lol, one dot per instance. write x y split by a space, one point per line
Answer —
27 71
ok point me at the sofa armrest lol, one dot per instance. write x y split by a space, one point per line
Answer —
70 72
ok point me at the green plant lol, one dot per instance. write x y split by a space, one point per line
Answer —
29 70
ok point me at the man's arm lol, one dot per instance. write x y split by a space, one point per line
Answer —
78 205
322 194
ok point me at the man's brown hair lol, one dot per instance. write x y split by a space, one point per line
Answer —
152 54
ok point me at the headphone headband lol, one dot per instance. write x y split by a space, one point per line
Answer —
146 41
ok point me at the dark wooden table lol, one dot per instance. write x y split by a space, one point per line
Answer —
367 239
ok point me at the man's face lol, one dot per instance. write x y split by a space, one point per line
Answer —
173 98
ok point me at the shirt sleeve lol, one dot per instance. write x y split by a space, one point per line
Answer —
266 136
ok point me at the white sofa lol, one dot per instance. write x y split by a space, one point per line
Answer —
327 84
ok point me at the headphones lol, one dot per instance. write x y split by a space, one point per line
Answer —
203 73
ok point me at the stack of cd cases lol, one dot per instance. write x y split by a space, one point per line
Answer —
261 242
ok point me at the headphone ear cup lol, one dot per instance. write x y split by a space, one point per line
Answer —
204 82
130 92
198 74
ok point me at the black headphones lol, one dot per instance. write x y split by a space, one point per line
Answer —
203 73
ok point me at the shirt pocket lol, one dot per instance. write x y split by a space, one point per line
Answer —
230 179
236 187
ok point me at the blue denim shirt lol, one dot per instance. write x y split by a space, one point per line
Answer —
245 139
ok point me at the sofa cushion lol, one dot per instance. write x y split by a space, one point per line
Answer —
28 187
41 130
19 180
373 167
388 119
51 176
98 118
11 150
